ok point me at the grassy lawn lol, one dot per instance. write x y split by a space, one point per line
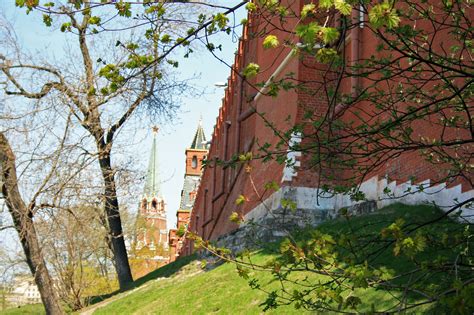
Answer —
30 309
184 288
222 291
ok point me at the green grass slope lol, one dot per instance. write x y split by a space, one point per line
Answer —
193 291
30 309
184 289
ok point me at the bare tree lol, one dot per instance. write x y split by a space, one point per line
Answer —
101 97
80 263
23 220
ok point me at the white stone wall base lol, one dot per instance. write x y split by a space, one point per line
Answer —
381 191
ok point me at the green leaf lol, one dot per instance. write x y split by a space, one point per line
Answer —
113 87
65 27
383 273
104 91
91 91
235 217
353 302
251 70
221 20
182 41
210 46
288 204
357 195
240 200
307 9
326 55
326 4
343 211
94 20
273 185
271 41
123 9
159 9
243 272
47 20
384 14
190 31
30 4
282 11
165 38
251 7
245 157
174 63
343 7
132 46
308 32
329 34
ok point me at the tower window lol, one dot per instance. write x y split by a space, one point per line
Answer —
194 162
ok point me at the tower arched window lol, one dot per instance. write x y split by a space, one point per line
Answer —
194 162
154 204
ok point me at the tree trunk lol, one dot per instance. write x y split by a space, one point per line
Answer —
115 225
23 221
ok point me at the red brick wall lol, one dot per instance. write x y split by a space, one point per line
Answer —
190 155
177 243
402 166
238 130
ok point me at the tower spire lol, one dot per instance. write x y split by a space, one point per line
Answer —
199 138
151 230
192 177
152 185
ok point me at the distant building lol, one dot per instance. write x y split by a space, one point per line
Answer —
151 243
195 155
23 291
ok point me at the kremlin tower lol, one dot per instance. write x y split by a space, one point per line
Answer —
151 243
195 155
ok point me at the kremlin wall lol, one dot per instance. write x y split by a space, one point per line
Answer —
250 119
252 122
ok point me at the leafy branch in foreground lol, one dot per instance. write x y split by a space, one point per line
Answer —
348 264
400 110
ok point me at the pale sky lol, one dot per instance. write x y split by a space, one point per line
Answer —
174 137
